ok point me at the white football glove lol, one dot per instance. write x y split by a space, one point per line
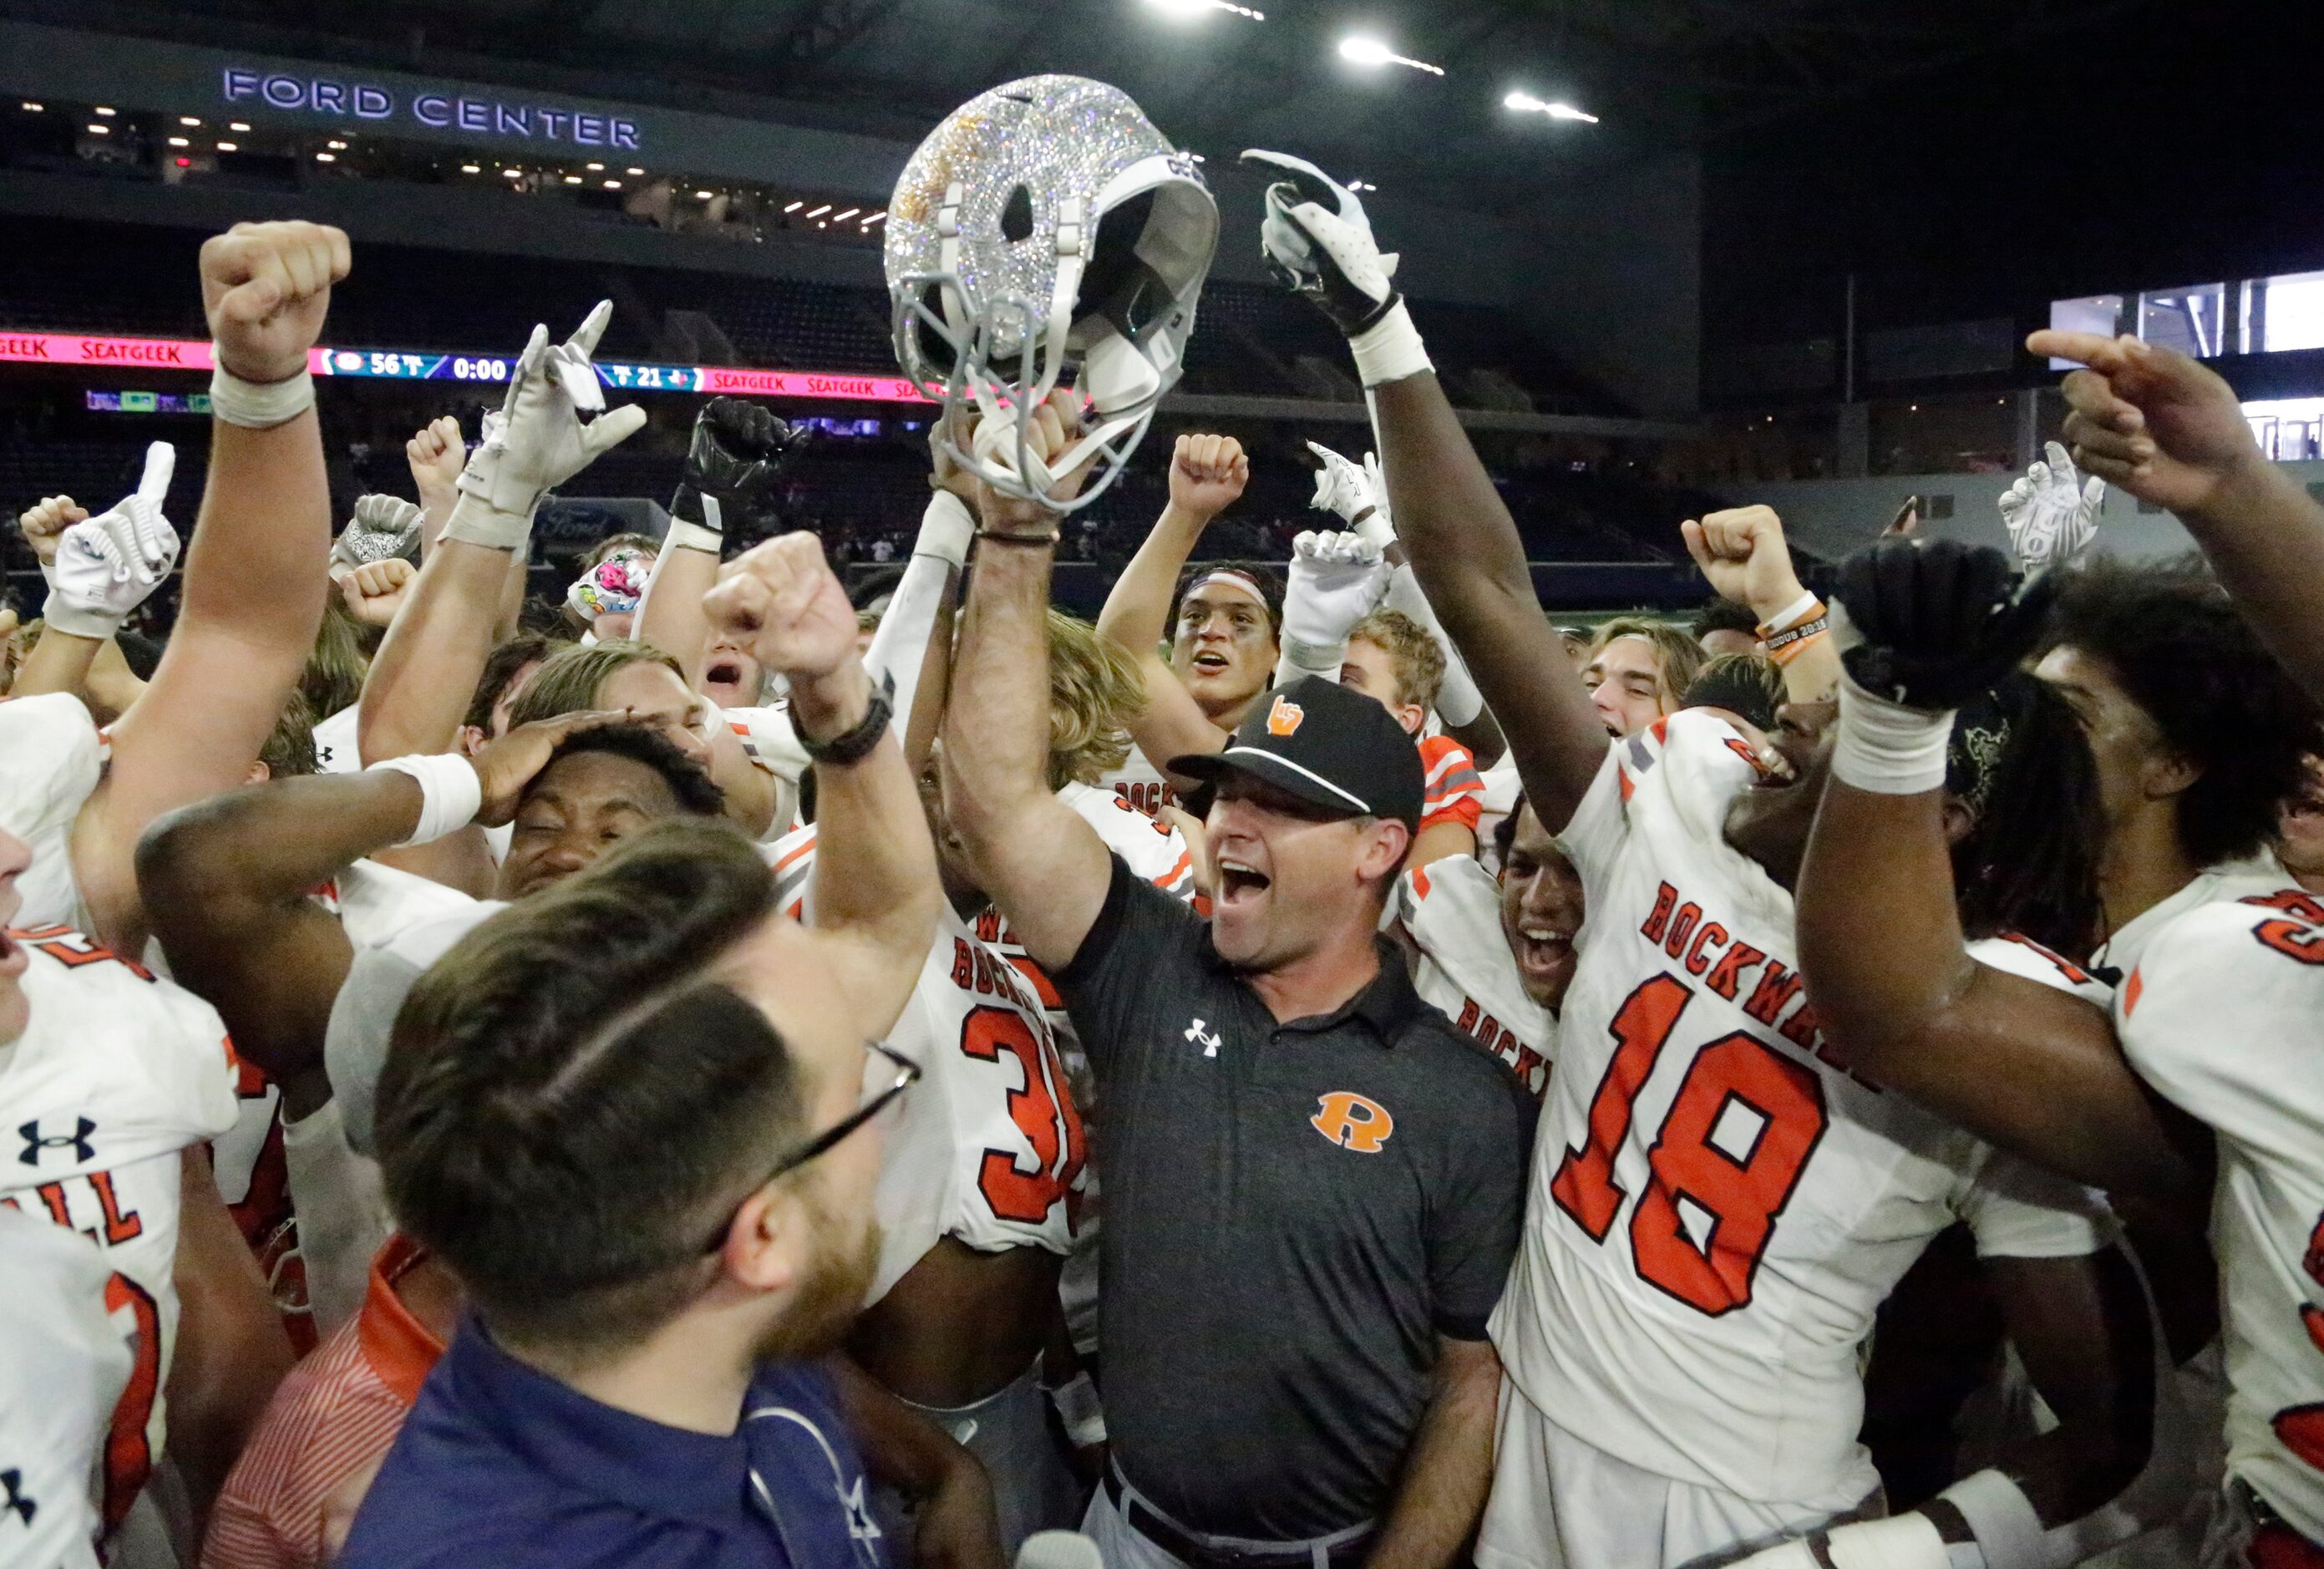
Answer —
107 565
1898 1542
1319 242
539 440
383 527
1335 580
2052 515
1355 493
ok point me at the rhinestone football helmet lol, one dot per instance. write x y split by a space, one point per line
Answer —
1046 227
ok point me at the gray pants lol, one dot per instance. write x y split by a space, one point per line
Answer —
1033 1487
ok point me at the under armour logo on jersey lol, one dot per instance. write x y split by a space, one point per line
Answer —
76 1141
1352 1121
1197 1032
22 1507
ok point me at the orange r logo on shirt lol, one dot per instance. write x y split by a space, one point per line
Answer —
1352 1121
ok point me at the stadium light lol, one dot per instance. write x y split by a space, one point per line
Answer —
30 107
878 218
840 218
514 173
237 126
191 120
612 185
336 146
572 180
472 168
327 158
702 195
820 211
1360 185
179 142
636 172
97 130
104 114
1526 104
793 207
1188 9
1371 51
595 168
229 147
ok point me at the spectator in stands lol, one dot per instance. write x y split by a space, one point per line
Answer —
1639 670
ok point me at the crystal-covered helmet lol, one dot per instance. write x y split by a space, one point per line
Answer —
1046 227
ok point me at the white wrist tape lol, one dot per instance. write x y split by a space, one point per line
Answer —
946 529
451 793
60 615
1391 349
684 535
1800 609
257 405
1078 1407
477 521
2008 1532
1899 1542
1299 659
1886 748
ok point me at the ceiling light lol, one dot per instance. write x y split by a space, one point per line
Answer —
1372 52
823 224
236 126
1525 102
337 146
327 158
190 120
179 142
840 218
228 147
1192 8
702 195
97 130
595 168
795 207
572 180
472 168
1361 185
818 212
612 185
104 114
637 171
877 217
514 173
30 107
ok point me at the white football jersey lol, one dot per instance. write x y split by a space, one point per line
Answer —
52 756
376 903
336 750
117 1072
2222 884
1140 783
989 1149
2224 1018
1453 910
67 1366
1718 1206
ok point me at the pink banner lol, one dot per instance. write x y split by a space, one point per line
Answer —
716 378
72 348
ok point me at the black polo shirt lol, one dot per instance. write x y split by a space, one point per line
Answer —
1293 1213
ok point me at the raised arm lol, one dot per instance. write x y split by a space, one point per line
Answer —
426 671
732 464
1743 553
876 866
2169 432
2034 1069
1207 474
253 591
1034 856
1465 548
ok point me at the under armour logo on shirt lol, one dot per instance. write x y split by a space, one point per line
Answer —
76 1141
23 1508
1195 1032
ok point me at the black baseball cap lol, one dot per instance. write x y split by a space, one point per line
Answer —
1326 745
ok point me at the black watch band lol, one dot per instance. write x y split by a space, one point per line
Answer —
853 746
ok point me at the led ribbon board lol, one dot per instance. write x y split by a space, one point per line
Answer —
70 348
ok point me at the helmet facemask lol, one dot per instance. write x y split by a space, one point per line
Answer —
1067 245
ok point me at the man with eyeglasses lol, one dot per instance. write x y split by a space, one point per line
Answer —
633 1113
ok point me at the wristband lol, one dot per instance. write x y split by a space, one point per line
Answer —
476 521
1000 538
77 621
1391 349
1786 646
1076 1404
451 793
946 529
1886 748
684 535
2008 1533
852 745
1806 608
257 405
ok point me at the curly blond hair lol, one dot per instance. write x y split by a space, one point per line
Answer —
1095 687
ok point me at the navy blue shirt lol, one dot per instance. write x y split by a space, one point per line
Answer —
501 1465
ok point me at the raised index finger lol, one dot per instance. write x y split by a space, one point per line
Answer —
161 465
593 327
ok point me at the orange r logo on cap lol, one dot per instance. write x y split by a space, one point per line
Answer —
1284 717
1352 1121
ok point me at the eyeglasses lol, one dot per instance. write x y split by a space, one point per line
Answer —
887 1073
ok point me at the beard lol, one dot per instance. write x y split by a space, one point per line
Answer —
830 1295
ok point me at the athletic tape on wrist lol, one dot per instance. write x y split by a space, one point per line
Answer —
477 521
1301 658
79 621
684 535
1076 1404
258 405
2008 1533
451 793
947 527
1909 1541
1391 349
1886 748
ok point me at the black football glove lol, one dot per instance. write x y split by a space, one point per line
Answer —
1319 245
1935 623
735 459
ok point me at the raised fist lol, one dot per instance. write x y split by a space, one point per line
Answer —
1743 553
374 591
437 455
1207 473
780 600
384 527
732 464
265 287
1932 623
44 524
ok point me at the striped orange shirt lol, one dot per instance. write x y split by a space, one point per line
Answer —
334 1416
1456 793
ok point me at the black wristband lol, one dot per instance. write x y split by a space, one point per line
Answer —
999 536
856 744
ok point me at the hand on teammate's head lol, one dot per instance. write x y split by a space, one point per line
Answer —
265 288
504 766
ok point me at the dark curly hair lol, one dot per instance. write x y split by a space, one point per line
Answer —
2169 633
687 780
2019 763
1719 614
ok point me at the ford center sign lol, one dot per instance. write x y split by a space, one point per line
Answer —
527 122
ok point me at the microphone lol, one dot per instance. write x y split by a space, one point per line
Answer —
1060 1550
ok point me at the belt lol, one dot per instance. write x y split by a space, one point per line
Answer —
1201 1552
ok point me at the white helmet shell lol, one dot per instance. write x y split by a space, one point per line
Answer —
1046 226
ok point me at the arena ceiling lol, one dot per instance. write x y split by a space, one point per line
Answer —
1659 74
